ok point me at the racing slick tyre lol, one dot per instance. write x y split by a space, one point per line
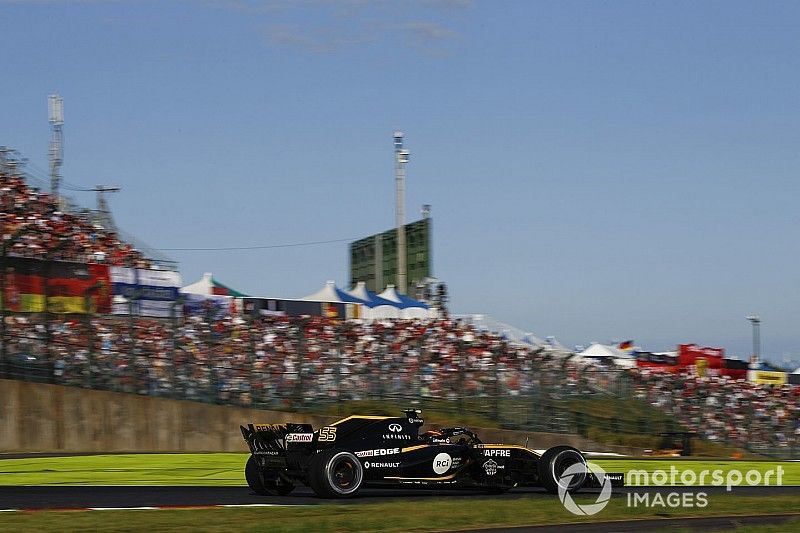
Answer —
253 477
335 474
261 486
553 464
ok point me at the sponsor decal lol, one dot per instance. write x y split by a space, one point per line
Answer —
379 452
490 467
496 453
327 434
397 436
395 428
299 437
381 465
268 452
442 463
416 421
269 427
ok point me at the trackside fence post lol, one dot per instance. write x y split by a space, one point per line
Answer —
496 392
462 368
297 394
340 334
173 345
90 360
252 375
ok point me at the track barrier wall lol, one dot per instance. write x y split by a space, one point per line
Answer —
36 417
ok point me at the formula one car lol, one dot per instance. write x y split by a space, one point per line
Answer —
379 451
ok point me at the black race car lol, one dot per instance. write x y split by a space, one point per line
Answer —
380 451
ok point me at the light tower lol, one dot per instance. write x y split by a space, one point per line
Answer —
56 115
103 212
756 322
400 160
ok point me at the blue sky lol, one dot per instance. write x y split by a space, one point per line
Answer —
597 170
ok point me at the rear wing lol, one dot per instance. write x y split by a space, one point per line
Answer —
276 439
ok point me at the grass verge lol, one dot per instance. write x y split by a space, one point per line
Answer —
214 469
435 514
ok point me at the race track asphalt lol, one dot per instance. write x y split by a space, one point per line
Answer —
81 497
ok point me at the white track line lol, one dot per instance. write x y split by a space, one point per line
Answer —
165 508
122 508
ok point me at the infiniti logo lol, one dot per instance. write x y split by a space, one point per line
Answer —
395 428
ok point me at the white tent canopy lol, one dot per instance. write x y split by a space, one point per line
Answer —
330 293
203 286
376 307
409 308
599 351
207 286
797 371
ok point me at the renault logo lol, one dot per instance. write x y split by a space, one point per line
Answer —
396 428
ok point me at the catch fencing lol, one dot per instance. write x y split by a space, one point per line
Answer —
328 366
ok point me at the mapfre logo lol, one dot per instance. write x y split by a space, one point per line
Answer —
496 453
586 509
395 428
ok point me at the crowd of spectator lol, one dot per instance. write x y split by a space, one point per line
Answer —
278 362
281 362
275 359
33 225
720 409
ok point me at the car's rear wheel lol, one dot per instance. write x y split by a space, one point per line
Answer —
335 474
556 469
260 485
253 476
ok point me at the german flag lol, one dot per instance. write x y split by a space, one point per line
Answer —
67 287
626 345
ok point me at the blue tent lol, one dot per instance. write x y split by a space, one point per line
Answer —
411 308
333 294
361 292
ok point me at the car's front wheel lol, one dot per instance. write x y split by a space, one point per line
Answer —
335 474
557 468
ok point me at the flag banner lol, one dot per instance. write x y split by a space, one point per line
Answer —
67 288
151 293
206 306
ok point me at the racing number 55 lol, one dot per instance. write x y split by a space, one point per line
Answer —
327 433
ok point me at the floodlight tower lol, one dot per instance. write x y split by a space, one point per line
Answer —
400 160
103 212
756 322
56 116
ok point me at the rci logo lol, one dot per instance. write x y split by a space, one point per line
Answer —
587 509
441 463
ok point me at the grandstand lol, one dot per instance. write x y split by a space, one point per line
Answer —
63 331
